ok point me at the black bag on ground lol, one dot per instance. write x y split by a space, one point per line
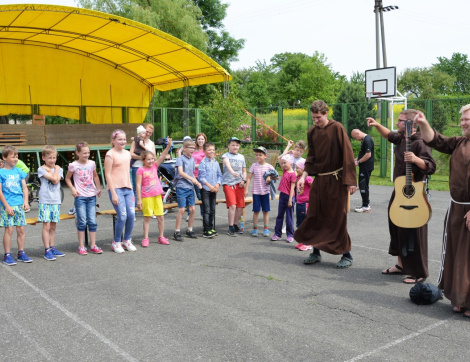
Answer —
425 293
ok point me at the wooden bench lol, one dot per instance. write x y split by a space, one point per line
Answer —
12 138
34 220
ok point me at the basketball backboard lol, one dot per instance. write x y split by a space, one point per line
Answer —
381 83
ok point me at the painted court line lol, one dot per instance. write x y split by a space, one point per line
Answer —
73 317
398 341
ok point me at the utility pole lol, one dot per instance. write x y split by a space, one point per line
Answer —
378 5
380 29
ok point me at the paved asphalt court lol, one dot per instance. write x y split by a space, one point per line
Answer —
224 299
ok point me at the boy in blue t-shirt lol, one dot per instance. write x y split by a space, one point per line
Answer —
13 202
184 184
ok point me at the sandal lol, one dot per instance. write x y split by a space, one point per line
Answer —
344 263
389 272
459 310
413 280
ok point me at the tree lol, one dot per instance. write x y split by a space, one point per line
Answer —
221 47
223 118
425 83
255 85
197 22
358 109
457 66
179 18
429 83
304 78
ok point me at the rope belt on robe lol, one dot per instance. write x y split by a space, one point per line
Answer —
334 173
444 242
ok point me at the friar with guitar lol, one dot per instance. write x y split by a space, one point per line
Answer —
409 209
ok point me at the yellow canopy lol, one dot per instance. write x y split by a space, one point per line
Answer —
64 56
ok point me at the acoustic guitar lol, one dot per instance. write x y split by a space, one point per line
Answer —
410 208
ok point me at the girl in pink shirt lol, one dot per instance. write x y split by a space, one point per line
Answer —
301 202
286 194
86 185
117 173
198 155
149 193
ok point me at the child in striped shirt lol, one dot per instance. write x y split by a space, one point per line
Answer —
260 189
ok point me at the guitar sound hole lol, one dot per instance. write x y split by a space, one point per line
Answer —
408 191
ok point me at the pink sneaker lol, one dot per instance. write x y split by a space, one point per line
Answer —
275 238
162 240
305 247
145 243
299 245
82 250
96 249
289 239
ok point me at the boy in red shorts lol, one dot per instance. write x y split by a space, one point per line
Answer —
233 181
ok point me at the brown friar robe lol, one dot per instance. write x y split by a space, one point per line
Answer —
325 228
455 279
415 263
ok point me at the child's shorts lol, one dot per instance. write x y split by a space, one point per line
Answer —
18 219
261 202
185 197
152 205
48 213
234 195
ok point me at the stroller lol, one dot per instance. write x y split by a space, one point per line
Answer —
166 173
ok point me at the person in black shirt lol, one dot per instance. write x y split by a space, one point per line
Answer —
365 161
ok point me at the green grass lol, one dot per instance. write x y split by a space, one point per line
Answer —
296 126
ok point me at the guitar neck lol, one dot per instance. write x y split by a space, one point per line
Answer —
408 131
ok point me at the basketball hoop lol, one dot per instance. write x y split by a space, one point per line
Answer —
370 95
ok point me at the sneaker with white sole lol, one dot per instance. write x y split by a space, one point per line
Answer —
48 255
96 250
304 247
127 244
363 209
254 233
82 250
266 233
117 247
8 259
56 252
289 239
23 257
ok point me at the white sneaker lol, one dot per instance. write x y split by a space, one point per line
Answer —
117 248
363 209
284 230
127 244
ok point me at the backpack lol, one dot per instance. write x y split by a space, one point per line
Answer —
425 293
